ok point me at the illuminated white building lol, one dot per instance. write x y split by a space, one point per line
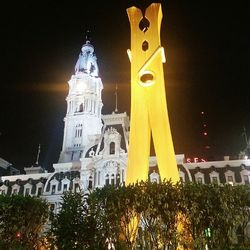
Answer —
84 104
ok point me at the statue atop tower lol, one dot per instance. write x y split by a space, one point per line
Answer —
87 61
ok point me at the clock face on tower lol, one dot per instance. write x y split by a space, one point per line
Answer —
80 86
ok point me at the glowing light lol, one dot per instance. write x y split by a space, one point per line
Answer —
208 232
205 133
195 160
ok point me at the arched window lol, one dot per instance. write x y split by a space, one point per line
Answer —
53 189
78 131
112 148
99 177
112 179
107 179
90 182
81 107
118 179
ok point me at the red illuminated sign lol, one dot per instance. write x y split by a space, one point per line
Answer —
195 160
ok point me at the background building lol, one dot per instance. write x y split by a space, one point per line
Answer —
6 168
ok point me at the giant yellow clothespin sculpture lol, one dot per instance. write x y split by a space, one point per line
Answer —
148 99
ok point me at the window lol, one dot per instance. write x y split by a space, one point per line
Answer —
90 182
81 108
118 179
230 179
78 132
3 192
53 189
112 179
112 148
65 187
246 179
215 179
15 191
27 191
77 187
99 176
199 179
107 179
39 191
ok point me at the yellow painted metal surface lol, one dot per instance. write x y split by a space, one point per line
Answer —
148 98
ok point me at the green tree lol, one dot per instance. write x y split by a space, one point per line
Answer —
159 209
192 215
69 228
22 221
193 206
129 198
104 209
223 215
116 214
242 202
210 211
115 211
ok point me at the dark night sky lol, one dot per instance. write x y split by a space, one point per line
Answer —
207 48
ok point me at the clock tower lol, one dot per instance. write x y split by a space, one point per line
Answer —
84 104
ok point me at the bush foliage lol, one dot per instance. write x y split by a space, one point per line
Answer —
190 215
22 220
163 216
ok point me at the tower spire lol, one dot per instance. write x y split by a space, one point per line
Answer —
38 153
87 36
245 135
116 98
